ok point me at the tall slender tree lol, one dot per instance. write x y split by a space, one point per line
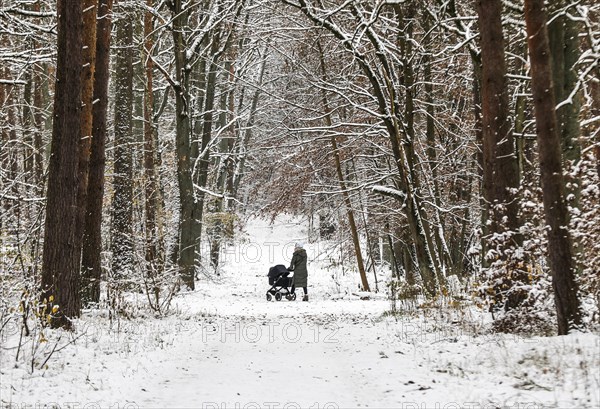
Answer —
500 166
563 37
122 204
87 91
151 176
560 249
92 242
60 266
188 246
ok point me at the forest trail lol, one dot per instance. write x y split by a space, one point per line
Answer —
324 353
228 347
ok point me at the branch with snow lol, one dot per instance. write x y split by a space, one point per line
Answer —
389 191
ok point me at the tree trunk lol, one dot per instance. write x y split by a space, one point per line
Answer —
87 93
201 153
218 224
92 241
60 265
406 249
560 250
122 204
564 50
187 248
151 185
500 175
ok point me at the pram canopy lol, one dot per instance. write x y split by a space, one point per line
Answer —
278 270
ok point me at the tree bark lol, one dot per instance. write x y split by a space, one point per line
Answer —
87 93
151 185
187 248
92 241
564 50
122 204
60 265
560 250
500 166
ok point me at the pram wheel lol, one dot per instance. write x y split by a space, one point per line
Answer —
291 297
269 297
278 296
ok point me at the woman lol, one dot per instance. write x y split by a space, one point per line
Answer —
298 266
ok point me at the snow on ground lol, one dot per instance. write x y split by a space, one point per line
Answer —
228 347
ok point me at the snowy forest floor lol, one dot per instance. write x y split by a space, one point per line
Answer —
226 346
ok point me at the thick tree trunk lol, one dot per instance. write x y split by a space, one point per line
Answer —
500 170
92 239
60 266
122 204
560 250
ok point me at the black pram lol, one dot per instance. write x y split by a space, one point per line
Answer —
279 281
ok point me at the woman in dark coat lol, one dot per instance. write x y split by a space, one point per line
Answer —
298 266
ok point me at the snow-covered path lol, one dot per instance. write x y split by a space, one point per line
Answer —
228 347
